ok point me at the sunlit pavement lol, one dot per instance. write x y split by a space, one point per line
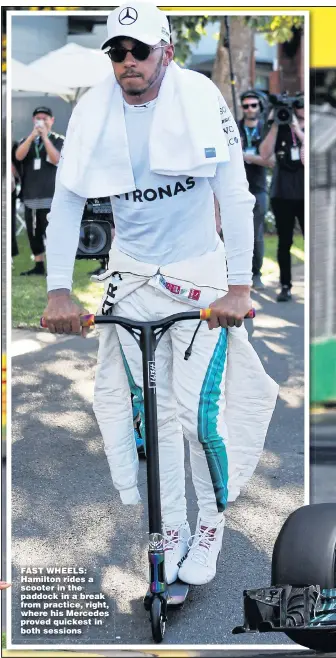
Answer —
66 512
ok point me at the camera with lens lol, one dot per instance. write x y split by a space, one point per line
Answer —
95 236
284 106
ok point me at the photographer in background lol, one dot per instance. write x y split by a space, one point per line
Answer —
285 139
251 128
39 155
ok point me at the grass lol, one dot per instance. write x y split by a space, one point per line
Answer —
270 265
29 294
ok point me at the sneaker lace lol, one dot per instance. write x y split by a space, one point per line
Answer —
171 537
201 543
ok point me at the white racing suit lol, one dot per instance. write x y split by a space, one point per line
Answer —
220 399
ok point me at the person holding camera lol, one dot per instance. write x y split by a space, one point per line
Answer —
251 128
39 154
285 139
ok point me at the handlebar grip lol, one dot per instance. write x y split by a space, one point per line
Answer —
85 320
205 314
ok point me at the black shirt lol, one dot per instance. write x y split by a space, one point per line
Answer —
38 185
288 173
252 138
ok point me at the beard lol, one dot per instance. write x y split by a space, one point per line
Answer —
147 84
132 91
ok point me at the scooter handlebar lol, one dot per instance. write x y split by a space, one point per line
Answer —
204 314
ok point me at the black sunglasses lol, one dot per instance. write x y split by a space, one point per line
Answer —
247 105
140 51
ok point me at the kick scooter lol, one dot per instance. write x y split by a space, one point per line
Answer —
147 335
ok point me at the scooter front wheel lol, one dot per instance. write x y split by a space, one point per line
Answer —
157 618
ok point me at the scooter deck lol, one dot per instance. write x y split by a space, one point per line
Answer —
177 593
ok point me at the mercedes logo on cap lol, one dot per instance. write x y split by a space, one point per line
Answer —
128 16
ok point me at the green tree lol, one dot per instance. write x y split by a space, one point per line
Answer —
188 30
277 29
242 50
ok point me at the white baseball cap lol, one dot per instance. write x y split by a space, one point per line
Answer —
138 20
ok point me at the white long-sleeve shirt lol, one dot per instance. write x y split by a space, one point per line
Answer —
167 218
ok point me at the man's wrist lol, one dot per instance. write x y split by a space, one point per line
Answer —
239 290
59 292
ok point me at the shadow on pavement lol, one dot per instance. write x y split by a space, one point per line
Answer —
65 511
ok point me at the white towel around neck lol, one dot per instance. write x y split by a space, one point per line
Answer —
186 135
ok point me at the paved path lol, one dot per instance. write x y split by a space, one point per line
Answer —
65 511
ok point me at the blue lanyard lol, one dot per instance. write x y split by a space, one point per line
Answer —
250 134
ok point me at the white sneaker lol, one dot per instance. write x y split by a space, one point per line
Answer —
205 546
175 548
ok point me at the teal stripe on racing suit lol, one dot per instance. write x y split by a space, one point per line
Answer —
208 411
138 401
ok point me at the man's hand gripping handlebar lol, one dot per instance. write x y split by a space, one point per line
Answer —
88 320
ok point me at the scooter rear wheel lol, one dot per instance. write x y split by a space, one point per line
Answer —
157 621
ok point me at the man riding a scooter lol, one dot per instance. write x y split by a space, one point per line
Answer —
160 141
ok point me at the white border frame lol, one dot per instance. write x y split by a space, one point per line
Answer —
306 333
150 647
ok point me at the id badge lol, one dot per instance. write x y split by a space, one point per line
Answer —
37 163
295 153
251 150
